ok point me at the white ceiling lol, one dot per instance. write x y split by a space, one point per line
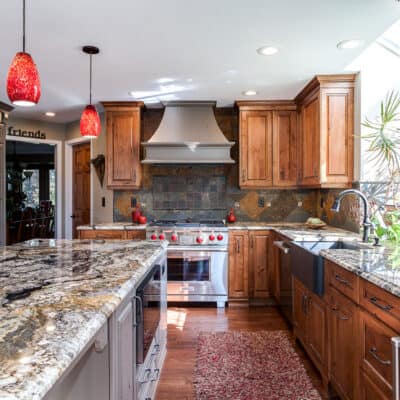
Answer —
207 47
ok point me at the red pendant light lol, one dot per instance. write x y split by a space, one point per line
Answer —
23 82
90 125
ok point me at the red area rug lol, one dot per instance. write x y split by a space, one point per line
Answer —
242 365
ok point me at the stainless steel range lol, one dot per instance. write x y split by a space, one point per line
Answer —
197 259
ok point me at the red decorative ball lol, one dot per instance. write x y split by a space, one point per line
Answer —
23 82
90 122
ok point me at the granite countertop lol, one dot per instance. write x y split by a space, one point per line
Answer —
118 226
378 265
74 287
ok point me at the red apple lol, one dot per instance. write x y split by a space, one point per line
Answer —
142 220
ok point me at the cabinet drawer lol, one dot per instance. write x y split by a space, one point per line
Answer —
139 235
371 391
94 234
376 350
381 304
344 281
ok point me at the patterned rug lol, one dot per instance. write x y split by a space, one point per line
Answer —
242 365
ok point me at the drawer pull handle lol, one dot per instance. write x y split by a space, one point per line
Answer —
384 307
341 280
147 374
342 317
155 375
156 350
373 351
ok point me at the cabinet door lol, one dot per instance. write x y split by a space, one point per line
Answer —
238 265
299 309
284 148
343 325
255 149
122 354
369 390
310 131
316 329
337 135
123 149
258 263
136 235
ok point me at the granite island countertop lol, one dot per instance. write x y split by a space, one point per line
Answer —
378 265
73 286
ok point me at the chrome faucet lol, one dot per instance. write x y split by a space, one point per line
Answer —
367 224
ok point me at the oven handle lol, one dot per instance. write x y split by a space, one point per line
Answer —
209 249
139 300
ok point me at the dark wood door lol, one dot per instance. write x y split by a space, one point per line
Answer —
258 264
343 319
255 149
81 186
285 148
238 265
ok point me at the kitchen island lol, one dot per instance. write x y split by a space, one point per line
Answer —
57 298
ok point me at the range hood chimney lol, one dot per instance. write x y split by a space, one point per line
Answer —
188 134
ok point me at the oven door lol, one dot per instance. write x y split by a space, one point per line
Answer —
197 275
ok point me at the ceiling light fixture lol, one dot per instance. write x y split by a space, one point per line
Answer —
267 50
250 93
90 125
23 82
349 44
50 114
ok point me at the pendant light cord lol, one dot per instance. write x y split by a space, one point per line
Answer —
90 80
23 26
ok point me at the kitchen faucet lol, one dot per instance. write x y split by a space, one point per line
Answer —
367 224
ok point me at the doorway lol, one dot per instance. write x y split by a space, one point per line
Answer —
31 191
80 186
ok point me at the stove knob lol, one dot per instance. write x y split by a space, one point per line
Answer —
161 236
220 237
174 237
199 240
153 236
212 237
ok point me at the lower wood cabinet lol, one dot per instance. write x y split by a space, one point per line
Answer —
104 234
310 324
248 265
343 340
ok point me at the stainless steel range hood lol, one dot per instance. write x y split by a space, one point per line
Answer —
188 134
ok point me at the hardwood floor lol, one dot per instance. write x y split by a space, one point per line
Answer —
184 324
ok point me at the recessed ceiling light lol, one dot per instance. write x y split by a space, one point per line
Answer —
50 114
350 44
250 93
267 50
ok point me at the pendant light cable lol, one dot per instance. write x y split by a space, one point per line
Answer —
90 79
23 26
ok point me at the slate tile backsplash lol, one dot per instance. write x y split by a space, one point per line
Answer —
189 192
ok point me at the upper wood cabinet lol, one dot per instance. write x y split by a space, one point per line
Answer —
326 122
124 170
267 144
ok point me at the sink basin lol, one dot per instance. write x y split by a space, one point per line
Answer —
308 266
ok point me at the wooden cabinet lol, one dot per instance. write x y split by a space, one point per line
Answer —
249 265
238 265
326 112
267 144
258 264
99 234
310 325
284 156
343 338
255 149
124 170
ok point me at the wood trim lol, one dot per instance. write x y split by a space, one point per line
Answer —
266 105
121 105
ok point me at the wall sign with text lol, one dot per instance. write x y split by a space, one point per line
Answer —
27 134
